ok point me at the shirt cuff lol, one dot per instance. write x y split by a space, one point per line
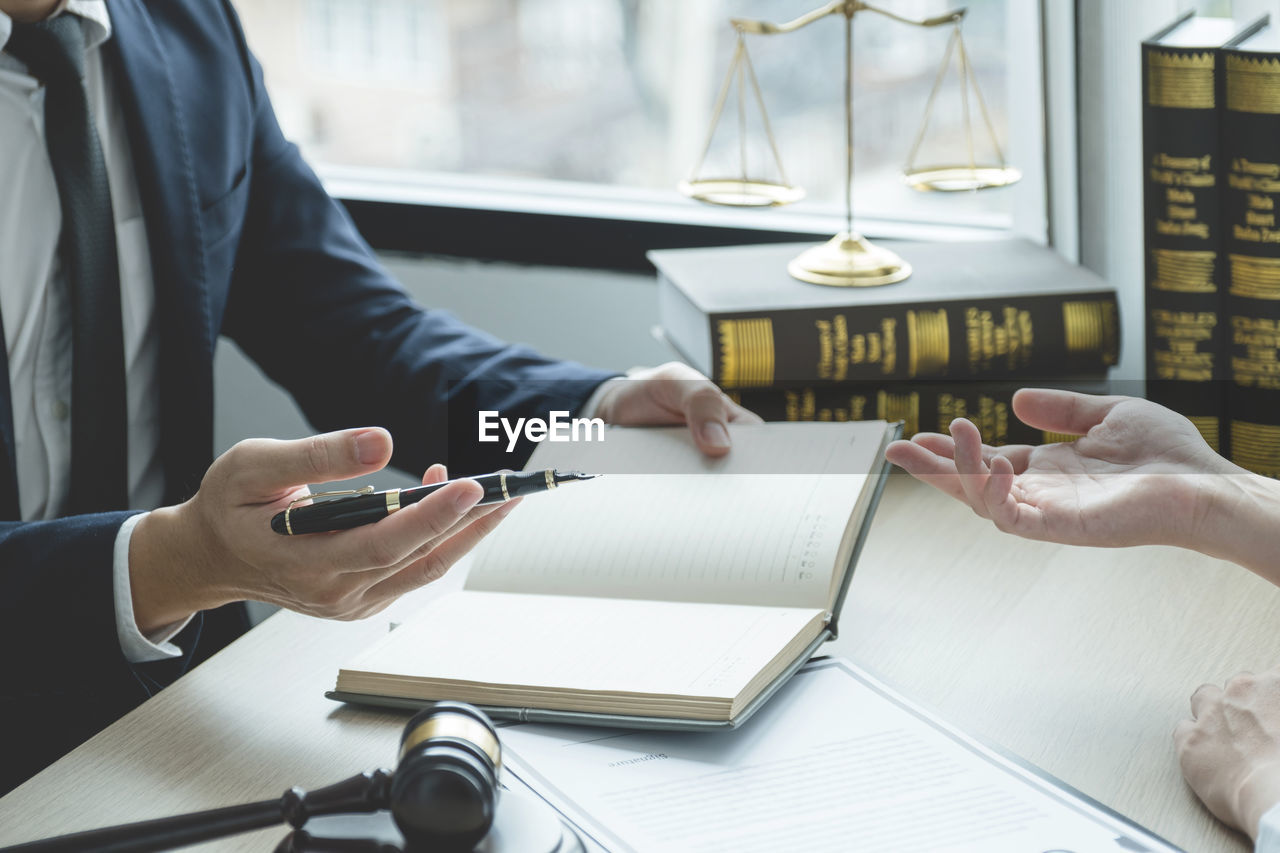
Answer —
1269 831
136 646
589 408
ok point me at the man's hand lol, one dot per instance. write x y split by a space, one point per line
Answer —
1139 474
218 547
675 393
1230 748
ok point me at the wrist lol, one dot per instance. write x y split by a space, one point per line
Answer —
1236 520
1258 793
168 574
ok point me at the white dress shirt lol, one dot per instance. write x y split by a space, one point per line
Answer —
1269 832
36 309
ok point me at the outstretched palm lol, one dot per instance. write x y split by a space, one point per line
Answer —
1133 477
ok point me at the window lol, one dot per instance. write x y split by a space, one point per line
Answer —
620 93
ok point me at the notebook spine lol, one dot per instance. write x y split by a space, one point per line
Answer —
1034 335
1185 342
1251 157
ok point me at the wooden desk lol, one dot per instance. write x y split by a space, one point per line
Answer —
1080 660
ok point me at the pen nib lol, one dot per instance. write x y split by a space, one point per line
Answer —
569 476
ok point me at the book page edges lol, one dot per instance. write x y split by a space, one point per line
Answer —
379 685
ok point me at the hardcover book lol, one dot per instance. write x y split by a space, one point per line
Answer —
1250 119
921 406
676 591
1181 148
1003 308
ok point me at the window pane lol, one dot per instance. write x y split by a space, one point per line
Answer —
622 92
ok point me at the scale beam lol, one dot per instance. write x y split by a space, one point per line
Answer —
848 259
848 8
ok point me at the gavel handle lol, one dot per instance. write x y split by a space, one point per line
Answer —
366 792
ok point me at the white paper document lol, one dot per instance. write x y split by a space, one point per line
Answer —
835 761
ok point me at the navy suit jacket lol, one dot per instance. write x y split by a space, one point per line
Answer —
244 243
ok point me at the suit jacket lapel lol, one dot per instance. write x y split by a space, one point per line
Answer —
148 92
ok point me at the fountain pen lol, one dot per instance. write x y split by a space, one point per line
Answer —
365 506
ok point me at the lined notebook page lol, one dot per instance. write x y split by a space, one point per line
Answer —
579 644
733 533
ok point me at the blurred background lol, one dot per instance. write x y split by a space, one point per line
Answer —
621 92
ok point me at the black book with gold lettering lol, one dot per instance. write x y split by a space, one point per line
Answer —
998 309
1250 121
1181 173
921 406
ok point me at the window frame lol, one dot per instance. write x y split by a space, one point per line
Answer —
612 227
572 225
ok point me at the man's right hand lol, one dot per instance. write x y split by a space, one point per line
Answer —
218 547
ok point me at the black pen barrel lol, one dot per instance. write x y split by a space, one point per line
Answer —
334 515
354 511
491 483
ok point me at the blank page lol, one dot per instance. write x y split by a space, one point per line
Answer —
733 533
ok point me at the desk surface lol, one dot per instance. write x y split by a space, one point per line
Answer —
1079 660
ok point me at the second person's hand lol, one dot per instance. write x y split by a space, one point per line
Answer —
1139 473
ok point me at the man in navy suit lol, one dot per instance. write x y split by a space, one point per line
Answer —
149 204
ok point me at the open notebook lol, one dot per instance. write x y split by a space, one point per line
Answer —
674 591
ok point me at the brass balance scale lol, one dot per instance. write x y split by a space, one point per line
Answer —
848 259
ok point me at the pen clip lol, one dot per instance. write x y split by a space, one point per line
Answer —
363 490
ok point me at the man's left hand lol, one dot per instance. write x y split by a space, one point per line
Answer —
675 393
1230 749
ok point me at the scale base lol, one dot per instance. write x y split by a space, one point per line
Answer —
849 260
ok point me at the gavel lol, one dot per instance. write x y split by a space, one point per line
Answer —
443 796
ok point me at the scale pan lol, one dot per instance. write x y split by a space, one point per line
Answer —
954 179
741 192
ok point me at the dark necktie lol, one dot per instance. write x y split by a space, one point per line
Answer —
53 51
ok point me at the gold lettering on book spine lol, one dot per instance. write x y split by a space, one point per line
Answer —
1089 328
746 352
1182 80
928 343
1184 272
900 407
1255 352
1208 426
1256 447
1253 84
1254 277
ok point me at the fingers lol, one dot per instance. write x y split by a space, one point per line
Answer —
437 473
970 465
1204 697
739 415
944 445
676 393
1061 411
392 539
265 467
426 547
438 560
707 410
926 466
1001 507
1182 733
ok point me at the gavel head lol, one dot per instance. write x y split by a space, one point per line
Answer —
444 792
